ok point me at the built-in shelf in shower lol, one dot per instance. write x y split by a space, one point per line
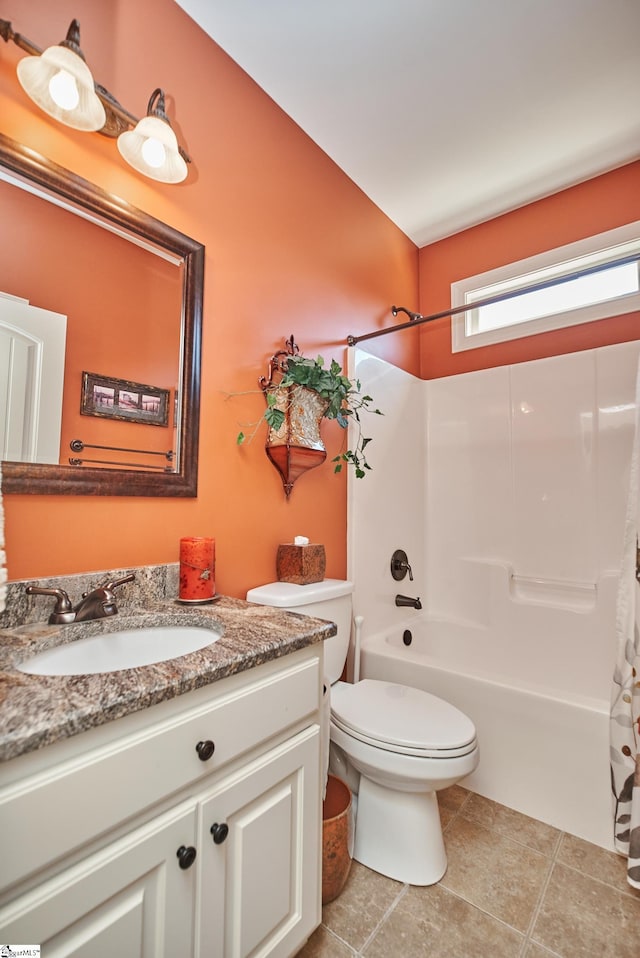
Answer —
575 596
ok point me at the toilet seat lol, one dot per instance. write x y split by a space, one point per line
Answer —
401 719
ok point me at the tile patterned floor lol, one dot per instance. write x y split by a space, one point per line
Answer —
514 888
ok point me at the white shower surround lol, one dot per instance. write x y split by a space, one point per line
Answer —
507 488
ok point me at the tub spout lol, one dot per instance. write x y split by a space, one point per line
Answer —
405 600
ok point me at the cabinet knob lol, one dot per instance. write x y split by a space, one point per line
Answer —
186 856
219 832
205 750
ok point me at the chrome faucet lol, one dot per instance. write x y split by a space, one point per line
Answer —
101 601
93 605
405 600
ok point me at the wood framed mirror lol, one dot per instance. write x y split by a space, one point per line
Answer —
35 179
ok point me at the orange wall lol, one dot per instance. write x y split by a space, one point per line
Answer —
292 246
603 203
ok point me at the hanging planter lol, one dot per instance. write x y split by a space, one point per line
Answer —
295 446
299 394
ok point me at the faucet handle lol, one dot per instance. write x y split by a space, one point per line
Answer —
400 566
111 585
63 612
114 583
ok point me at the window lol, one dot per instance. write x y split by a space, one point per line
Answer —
592 279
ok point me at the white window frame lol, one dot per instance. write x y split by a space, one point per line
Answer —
600 249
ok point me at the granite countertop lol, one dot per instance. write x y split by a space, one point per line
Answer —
37 710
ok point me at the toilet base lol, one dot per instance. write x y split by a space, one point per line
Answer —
399 834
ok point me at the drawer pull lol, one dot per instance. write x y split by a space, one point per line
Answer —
219 832
186 856
205 750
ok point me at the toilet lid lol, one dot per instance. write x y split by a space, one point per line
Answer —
401 719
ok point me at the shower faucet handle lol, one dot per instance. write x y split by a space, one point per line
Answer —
400 566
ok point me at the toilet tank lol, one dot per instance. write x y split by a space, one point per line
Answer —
329 599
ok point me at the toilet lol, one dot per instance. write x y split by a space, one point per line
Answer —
395 746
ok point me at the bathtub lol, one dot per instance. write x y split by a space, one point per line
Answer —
543 751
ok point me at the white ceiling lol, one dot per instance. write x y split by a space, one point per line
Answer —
447 112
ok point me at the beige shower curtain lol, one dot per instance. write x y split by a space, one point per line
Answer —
625 699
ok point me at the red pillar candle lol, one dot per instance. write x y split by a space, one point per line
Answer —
197 568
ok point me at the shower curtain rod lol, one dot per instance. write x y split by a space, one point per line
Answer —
455 310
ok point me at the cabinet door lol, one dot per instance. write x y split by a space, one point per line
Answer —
131 899
259 887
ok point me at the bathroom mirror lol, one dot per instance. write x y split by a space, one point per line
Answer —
149 357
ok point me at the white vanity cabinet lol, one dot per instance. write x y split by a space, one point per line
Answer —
130 899
192 828
254 886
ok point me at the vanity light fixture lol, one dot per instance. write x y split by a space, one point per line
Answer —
152 148
59 81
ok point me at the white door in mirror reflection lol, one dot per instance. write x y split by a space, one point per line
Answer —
32 350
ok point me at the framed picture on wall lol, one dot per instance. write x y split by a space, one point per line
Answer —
121 399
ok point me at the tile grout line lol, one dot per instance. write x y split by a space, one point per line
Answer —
403 891
601 881
526 939
457 812
526 935
516 841
346 944
483 911
627 890
543 891
507 836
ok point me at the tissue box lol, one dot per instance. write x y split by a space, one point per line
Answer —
301 564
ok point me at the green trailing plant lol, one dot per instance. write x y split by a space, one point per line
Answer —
343 398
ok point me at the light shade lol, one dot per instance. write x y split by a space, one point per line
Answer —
60 83
151 147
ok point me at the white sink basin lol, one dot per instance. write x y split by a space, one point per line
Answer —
115 651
